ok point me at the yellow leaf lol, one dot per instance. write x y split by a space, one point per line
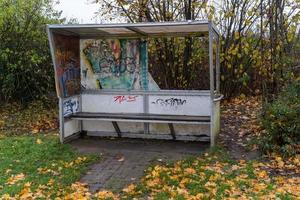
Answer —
35 131
210 184
27 184
130 189
39 141
190 171
235 167
15 178
262 174
104 194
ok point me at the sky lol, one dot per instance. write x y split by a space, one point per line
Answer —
83 10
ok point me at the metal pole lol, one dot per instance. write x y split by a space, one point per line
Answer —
211 75
61 121
218 65
51 44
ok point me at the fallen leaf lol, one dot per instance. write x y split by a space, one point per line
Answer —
15 178
35 131
39 141
120 158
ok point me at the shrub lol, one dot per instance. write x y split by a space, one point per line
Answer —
26 71
281 121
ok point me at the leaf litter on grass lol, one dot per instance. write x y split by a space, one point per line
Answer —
214 175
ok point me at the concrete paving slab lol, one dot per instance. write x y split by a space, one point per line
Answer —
125 160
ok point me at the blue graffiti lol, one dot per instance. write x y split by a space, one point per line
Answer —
71 106
70 77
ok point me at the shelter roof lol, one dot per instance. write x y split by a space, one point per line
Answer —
127 30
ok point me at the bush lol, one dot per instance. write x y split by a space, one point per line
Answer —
281 121
26 71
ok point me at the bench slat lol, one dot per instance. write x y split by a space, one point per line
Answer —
141 118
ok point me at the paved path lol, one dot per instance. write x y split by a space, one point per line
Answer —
124 160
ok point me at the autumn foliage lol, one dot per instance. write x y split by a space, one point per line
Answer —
260 40
281 121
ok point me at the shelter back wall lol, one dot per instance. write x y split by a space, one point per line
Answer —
115 64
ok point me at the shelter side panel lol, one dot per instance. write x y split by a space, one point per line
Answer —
67 65
216 119
71 127
180 105
112 103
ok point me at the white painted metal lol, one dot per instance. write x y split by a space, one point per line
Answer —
93 125
181 129
71 127
211 83
168 105
131 127
216 119
150 136
180 105
191 129
61 120
112 103
132 29
158 128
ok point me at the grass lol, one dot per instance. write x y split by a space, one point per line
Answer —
40 163
213 176
37 166
40 167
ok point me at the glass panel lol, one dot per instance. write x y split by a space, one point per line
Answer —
178 63
215 59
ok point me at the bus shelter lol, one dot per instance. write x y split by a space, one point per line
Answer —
105 88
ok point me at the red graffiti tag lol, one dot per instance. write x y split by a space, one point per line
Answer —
122 98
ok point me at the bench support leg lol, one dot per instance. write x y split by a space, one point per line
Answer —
117 128
172 130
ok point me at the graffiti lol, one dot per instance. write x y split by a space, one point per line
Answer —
170 102
67 65
115 64
123 98
112 64
71 106
69 81
106 62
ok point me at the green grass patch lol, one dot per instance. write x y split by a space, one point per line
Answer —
39 161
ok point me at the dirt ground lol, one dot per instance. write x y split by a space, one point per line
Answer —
240 125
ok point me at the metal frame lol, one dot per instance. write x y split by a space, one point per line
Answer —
212 31
71 29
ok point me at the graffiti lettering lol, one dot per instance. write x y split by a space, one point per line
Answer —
67 62
115 60
71 106
122 98
114 64
170 102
